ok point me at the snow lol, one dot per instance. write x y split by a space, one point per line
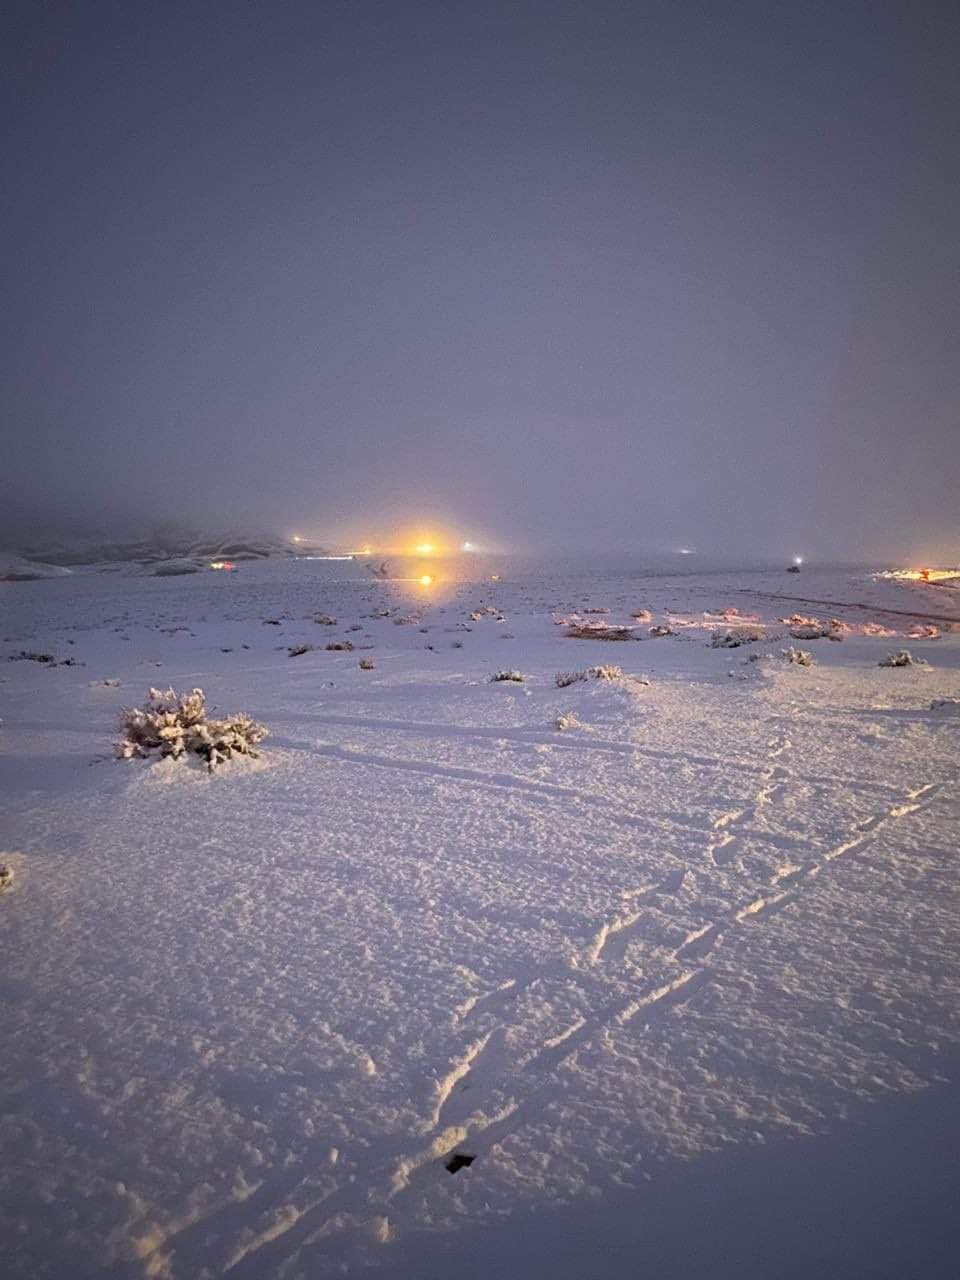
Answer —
251 1017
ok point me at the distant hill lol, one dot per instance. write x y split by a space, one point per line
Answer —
153 550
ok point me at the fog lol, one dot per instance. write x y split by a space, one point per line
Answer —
573 275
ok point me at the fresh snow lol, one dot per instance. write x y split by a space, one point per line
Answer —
251 1018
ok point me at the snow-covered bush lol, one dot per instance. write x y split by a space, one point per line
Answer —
599 631
661 630
642 615
367 664
563 679
566 720
324 620
172 724
902 658
736 636
6 876
295 650
344 645
801 657
925 632
500 676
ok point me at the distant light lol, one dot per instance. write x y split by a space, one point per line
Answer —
467 546
494 577
686 551
798 560
424 549
297 538
426 580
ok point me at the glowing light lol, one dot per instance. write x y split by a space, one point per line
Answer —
920 575
426 580
424 548
798 560
221 564
296 538
467 546
686 551
494 577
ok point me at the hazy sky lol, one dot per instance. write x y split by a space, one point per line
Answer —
599 273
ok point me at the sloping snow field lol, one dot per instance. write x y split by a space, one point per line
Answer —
249 1019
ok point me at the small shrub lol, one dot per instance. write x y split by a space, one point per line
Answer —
661 630
736 636
563 679
367 664
172 724
599 631
902 658
605 673
295 650
566 720
345 646
499 677
324 620
642 615
800 657
6 876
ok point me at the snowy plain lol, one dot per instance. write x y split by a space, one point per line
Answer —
249 1018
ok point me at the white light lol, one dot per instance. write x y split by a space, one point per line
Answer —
467 546
798 559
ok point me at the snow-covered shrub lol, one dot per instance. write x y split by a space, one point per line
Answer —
367 664
500 676
947 706
605 672
642 615
566 720
810 631
172 724
801 657
661 630
924 632
295 650
599 631
6 876
563 679
902 658
344 645
324 620
736 636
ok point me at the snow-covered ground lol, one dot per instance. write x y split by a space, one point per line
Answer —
248 1018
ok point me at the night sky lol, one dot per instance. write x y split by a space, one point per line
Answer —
567 274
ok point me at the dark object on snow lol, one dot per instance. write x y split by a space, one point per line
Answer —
793 568
6 876
459 1161
295 650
